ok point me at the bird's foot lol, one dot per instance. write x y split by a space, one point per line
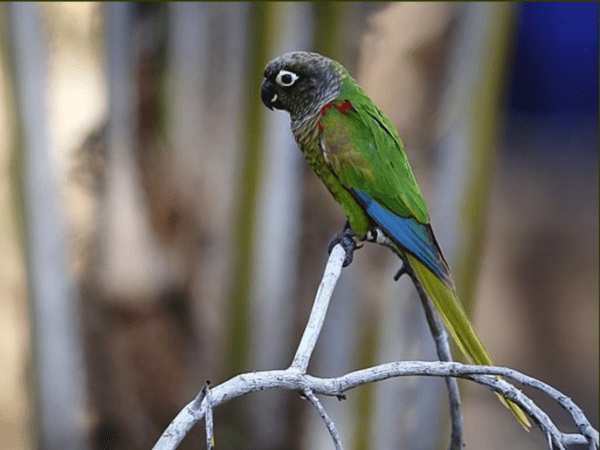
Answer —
346 239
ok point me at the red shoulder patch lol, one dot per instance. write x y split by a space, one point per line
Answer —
325 108
345 106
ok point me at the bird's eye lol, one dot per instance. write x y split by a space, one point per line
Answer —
286 78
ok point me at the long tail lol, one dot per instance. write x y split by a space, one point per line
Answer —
457 322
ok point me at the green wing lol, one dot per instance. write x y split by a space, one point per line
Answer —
365 152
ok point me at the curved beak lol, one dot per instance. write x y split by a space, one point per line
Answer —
268 94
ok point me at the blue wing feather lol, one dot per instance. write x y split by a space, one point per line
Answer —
416 238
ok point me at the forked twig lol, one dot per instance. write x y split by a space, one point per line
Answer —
335 436
295 378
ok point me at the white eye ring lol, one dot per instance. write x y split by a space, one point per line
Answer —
285 78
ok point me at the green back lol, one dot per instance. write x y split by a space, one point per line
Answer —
366 153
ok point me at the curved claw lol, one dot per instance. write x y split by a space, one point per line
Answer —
346 239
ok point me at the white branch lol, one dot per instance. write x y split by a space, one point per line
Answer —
210 439
328 422
291 379
295 378
319 309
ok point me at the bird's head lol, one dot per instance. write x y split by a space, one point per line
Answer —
301 83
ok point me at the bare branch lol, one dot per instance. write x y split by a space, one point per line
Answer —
317 314
295 378
335 436
291 379
210 438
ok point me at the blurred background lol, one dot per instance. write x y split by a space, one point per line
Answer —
161 229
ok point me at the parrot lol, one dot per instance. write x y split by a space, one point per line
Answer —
356 152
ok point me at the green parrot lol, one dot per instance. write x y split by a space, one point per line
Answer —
357 154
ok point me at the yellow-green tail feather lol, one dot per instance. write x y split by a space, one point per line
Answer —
448 306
